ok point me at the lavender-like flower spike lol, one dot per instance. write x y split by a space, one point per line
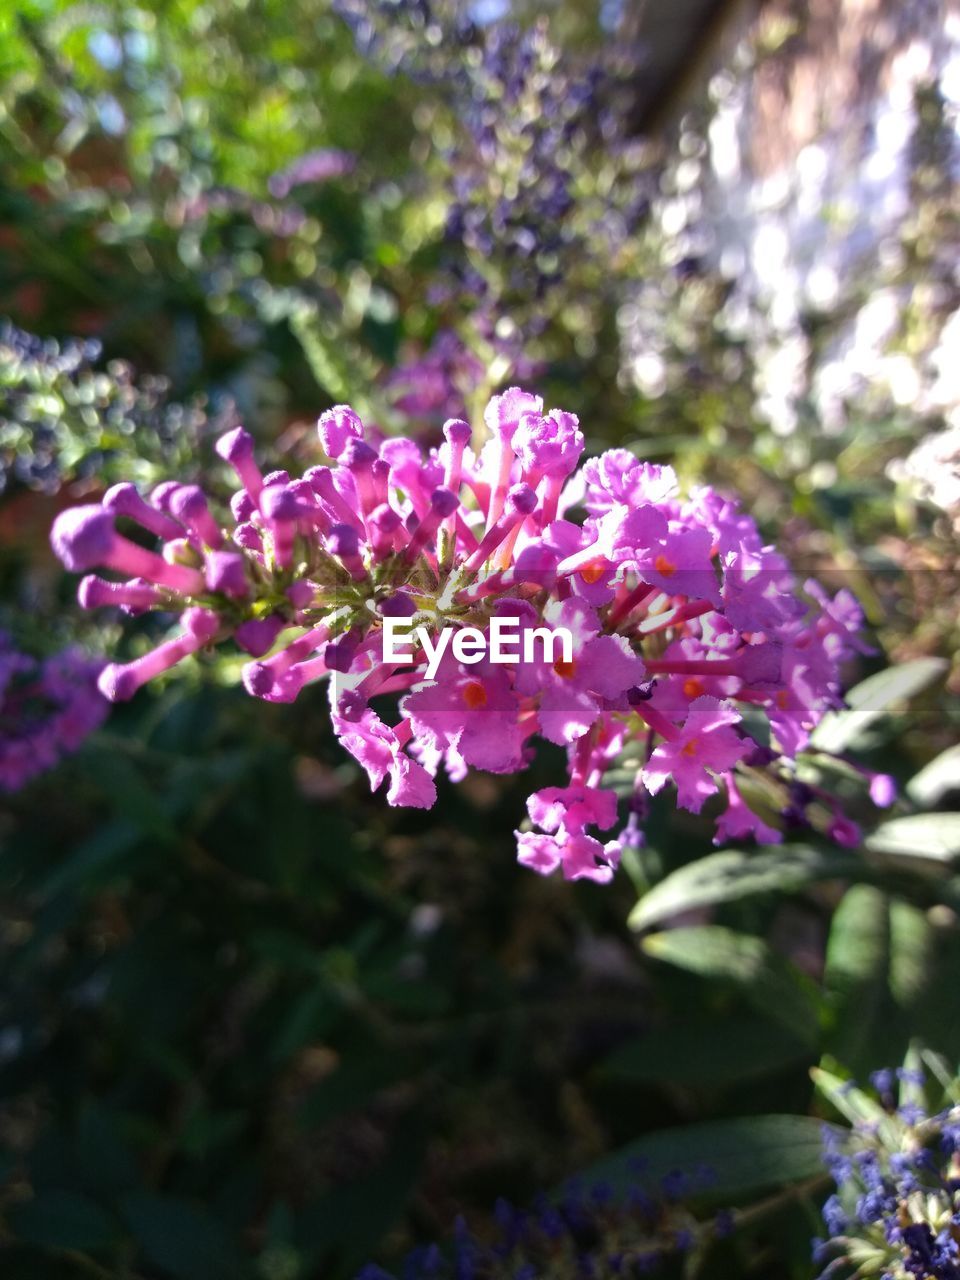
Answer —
47 708
588 1230
897 1201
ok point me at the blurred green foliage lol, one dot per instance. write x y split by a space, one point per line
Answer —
143 145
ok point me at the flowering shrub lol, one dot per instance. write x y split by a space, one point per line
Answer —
47 708
64 414
532 157
585 1230
258 1023
896 1210
683 622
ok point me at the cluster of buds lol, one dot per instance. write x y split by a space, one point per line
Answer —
896 1210
683 627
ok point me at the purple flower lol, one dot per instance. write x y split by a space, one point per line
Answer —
504 412
377 748
47 708
316 166
618 478
548 445
706 745
896 1194
739 822
337 427
473 709
678 617
573 692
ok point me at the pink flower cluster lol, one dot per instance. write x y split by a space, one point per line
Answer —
47 708
687 628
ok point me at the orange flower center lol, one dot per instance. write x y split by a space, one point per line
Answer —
665 566
593 572
474 695
692 687
783 699
564 669
690 748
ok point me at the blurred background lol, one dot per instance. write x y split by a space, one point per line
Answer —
253 1023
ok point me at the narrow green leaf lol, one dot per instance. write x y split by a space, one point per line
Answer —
936 779
94 861
858 1107
879 959
706 1053
912 1091
911 954
739 1157
130 794
942 1071
872 698
856 972
734 874
764 978
929 837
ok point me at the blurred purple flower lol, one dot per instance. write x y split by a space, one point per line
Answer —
316 166
47 708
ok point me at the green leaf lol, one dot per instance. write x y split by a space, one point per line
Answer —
95 861
182 1241
941 1070
933 838
734 874
743 1155
912 1083
872 698
912 960
855 975
766 980
132 797
844 1095
63 1220
706 1053
879 956
936 779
